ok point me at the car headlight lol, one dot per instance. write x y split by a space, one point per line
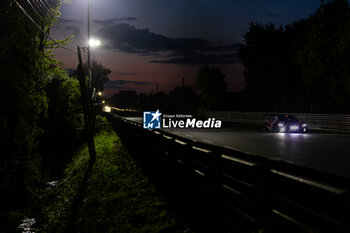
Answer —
280 125
304 125
294 127
107 109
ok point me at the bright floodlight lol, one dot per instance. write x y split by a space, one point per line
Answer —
94 42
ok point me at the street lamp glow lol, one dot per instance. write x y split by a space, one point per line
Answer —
99 93
94 42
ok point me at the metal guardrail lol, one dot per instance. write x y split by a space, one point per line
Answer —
236 191
326 122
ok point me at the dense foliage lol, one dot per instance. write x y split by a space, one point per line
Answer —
300 67
211 82
64 123
99 75
182 99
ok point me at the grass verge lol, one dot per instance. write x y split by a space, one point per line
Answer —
116 197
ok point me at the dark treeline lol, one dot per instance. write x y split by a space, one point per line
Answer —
302 67
209 93
181 100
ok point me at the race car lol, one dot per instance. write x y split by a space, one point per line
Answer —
284 123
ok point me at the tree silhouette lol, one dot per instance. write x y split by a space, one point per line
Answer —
210 81
99 75
184 100
300 67
125 99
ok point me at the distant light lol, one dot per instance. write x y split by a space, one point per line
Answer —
103 101
94 42
99 93
280 124
304 125
107 109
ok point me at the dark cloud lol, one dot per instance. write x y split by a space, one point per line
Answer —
122 84
127 38
106 46
225 48
128 19
126 73
111 21
194 58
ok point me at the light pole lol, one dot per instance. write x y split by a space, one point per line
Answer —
88 31
92 43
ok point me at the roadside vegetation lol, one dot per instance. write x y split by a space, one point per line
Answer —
47 183
39 112
115 197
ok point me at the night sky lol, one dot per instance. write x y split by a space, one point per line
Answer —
145 42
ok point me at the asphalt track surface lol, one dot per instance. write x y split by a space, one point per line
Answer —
327 152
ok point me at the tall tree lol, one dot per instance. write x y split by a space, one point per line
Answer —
300 67
125 99
323 57
99 75
211 82
184 99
